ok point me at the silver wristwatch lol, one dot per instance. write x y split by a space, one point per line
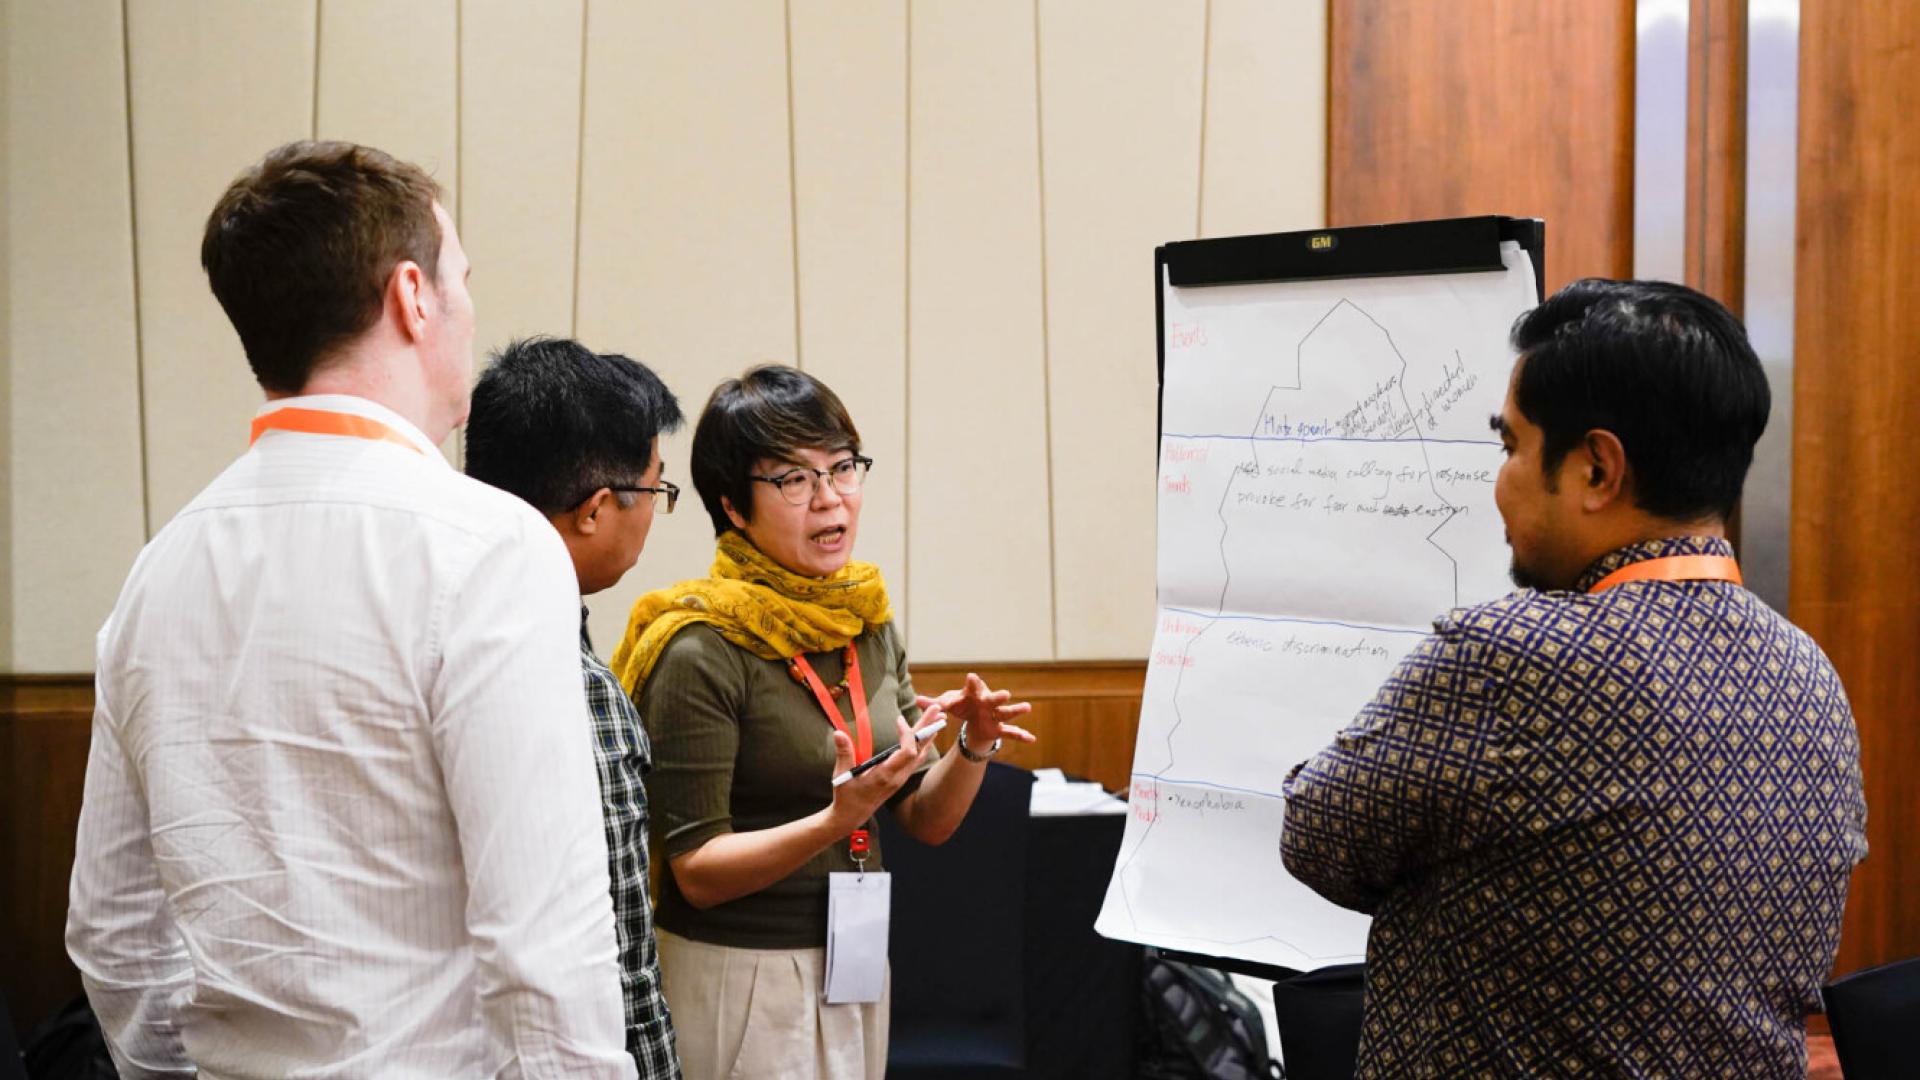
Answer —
968 752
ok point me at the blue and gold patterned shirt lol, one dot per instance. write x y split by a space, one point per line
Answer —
1600 835
622 756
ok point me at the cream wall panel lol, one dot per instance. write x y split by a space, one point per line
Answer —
850 198
686 226
1265 155
9 609
389 77
215 85
73 457
520 158
1120 123
978 542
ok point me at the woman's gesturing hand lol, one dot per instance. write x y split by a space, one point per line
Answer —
984 711
856 800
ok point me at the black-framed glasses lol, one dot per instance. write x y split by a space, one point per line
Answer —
796 484
668 488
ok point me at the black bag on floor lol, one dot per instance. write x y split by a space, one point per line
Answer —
1198 1026
68 1046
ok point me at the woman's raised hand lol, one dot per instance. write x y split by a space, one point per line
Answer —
984 711
856 800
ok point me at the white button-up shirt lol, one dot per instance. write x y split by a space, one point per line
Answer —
341 813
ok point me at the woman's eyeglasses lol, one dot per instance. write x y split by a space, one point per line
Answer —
796 484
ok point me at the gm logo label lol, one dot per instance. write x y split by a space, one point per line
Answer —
1323 242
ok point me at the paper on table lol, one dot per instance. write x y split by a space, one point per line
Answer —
1326 490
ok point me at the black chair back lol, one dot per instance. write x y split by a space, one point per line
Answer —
958 1003
11 1067
1318 1014
1875 1017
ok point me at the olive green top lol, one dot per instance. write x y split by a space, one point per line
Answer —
740 745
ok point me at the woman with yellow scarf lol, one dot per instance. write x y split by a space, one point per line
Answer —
759 686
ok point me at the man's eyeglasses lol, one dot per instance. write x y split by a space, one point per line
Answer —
796 484
670 490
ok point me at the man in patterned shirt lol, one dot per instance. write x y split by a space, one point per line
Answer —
576 434
1604 825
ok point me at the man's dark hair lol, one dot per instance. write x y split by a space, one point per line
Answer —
299 249
1668 370
769 412
553 422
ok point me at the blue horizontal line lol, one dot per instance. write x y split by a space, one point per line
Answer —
1217 787
1308 622
1328 438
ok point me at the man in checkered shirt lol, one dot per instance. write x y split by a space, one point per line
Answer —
577 434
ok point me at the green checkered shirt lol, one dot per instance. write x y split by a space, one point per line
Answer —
622 756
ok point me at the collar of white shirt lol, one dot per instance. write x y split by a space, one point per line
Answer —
359 406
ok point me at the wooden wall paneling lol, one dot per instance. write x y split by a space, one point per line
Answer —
1717 152
1264 156
1856 524
389 77
73 454
45 726
1085 713
519 164
686 230
849 88
1120 88
979 547
1442 110
213 86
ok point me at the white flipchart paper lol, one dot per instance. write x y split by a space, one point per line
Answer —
1325 491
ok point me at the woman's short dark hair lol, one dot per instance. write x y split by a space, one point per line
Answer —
1668 370
769 412
553 422
299 248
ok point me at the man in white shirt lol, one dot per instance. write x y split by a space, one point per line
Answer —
341 813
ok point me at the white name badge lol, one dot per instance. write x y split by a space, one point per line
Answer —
858 907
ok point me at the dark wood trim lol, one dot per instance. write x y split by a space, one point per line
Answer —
1043 680
1086 713
45 730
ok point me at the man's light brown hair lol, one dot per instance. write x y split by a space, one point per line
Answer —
299 249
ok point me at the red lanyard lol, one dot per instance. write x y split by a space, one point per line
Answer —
862 735
1673 568
858 843
322 422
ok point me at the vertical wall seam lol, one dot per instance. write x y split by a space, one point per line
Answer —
459 114
906 317
793 192
580 168
1046 341
313 131
139 322
1206 80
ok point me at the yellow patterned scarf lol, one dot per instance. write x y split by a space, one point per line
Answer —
757 604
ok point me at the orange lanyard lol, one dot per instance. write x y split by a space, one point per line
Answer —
862 735
1673 568
322 422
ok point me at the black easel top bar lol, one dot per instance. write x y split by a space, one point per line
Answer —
1449 246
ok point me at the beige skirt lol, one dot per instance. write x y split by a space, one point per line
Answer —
752 1014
